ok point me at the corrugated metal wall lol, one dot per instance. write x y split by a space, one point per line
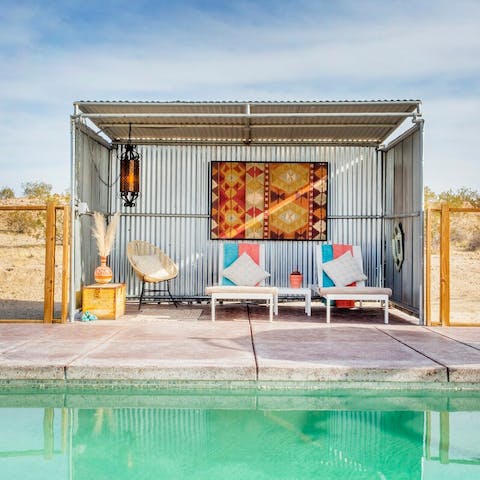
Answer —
173 211
404 204
92 173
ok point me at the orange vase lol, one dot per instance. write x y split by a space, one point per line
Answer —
103 273
296 280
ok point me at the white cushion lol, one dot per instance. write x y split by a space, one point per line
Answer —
373 291
150 265
234 289
344 270
244 271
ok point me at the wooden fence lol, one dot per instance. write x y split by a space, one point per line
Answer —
444 233
51 210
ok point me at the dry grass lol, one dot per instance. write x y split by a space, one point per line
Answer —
103 234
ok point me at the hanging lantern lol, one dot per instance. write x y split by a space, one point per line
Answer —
129 173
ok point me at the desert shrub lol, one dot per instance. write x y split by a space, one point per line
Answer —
463 197
33 223
37 190
464 227
6 193
25 222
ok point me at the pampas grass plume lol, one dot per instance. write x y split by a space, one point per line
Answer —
103 235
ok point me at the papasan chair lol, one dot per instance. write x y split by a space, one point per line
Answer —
151 265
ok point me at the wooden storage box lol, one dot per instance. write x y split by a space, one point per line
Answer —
106 301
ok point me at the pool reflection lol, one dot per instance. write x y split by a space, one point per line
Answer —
220 442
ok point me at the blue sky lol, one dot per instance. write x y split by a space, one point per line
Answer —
55 52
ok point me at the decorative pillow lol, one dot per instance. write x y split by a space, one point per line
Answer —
244 271
344 270
150 265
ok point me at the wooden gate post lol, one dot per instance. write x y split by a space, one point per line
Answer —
50 233
428 267
65 262
445 265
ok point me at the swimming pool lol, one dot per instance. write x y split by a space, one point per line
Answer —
242 435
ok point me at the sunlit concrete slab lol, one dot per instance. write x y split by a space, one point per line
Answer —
45 357
7 344
461 360
171 330
468 335
338 353
13 336
161 343
171 351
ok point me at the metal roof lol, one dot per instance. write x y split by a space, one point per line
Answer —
321 122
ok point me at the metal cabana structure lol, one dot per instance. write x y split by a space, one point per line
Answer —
375 184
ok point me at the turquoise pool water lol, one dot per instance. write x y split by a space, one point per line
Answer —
215 435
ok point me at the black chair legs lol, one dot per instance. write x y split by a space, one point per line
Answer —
141 295
153 291
171 297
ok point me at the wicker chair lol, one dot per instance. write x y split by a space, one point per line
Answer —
151 266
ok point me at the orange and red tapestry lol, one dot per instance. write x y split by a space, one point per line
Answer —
269 201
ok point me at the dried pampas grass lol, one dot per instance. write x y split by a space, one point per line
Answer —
104 235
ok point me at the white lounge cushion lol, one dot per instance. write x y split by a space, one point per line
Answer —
234 289
150 265
354 291
244 271
344 270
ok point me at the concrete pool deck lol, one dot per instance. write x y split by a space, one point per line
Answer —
160 345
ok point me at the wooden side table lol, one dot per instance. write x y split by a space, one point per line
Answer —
106 301
298 292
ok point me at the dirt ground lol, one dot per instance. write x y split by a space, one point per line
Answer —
22 268
464 287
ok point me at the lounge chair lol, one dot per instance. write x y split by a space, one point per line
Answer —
151 265
242 277
342 278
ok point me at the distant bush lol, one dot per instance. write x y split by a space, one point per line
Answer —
28 223
6 193
463 197
33 223
464 227
38 190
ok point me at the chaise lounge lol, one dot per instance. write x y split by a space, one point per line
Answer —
341 277
242 277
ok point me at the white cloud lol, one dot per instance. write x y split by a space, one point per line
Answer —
363 50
